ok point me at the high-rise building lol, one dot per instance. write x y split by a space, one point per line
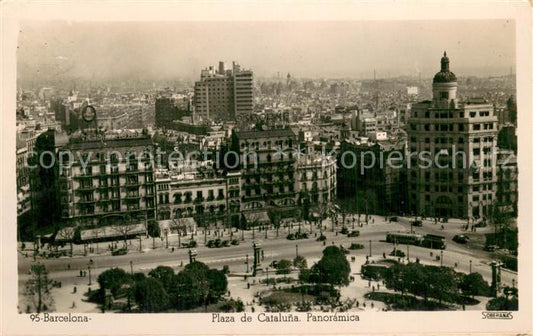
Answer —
460 138
223 94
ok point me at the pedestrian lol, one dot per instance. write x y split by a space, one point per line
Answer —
68 266
81 273
378 285
373 289
372 304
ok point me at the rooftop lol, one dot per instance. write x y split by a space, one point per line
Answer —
286 132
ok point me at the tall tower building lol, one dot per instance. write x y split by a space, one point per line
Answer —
225 94
459 138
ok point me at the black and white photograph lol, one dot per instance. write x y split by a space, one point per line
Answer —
298 172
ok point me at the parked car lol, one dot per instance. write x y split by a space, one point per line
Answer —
491 248
120 251
460 239
393 219
417 223
354 233
235 242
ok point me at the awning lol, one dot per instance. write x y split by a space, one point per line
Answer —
260 217
113 231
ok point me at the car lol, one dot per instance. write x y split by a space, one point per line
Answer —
354 233
417 223
480 224
120 251
235 242
460 239
393 219
491 248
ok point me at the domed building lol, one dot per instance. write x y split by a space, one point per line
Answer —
452 147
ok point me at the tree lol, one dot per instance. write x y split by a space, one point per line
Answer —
124 229
218 284
283 266
299 262
38 289
503 303
163 274
367 200
150 295
68 234
275 218
332 268
474 284
197 285
113 279
154 231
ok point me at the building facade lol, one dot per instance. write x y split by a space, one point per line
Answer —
316 181
268 171
460 138
223 94
200 195
108 180
372 175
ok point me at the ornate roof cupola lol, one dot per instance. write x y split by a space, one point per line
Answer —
444 85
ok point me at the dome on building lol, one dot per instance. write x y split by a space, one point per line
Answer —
444 75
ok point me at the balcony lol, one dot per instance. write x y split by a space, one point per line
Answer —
86 188
86 201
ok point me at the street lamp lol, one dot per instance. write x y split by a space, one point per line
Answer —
131 267
89 268
470 265
441 260
370 245
296 250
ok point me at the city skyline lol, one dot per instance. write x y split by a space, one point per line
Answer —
347 49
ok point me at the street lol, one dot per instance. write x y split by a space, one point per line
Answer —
67 269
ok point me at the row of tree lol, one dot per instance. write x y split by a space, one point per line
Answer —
196 285
428 281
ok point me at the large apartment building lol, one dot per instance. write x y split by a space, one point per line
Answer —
461 139
268 167
223 94
109 179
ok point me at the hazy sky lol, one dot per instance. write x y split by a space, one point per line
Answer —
305 49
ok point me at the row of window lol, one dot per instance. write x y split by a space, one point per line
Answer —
451 114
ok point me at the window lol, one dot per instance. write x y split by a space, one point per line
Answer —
477 127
